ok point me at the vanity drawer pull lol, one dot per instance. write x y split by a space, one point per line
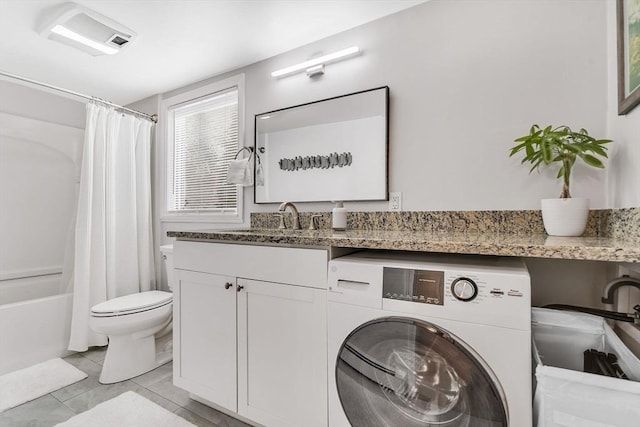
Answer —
240 287
228 285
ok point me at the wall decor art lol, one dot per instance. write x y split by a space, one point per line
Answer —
628 23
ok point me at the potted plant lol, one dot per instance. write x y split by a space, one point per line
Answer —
565 216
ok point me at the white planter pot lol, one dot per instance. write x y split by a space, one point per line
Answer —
565 217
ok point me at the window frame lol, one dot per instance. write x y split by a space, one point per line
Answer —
167 170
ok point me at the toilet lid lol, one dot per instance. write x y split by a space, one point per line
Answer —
132 303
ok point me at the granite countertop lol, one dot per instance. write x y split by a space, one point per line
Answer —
537 245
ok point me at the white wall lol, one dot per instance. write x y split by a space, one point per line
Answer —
40 154
623 179
465 78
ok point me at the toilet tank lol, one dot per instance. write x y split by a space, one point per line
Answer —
167 255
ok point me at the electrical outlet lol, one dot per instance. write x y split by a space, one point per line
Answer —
395 201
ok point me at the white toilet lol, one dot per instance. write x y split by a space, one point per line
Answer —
138 327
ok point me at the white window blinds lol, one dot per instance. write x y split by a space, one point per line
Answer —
205 139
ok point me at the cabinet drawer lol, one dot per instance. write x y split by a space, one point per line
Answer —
295 266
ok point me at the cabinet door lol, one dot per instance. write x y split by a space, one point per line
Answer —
282 354
204 335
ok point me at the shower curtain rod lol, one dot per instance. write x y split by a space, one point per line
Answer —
153 118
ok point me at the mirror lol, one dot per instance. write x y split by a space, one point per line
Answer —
333 149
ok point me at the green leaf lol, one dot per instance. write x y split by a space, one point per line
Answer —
575 148
547 154
535 165
532 158
560 172
597 149
529 150
592 161
517 148
602 141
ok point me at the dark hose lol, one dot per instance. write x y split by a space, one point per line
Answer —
614 315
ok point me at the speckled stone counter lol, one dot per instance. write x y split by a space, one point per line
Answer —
620 223
480 243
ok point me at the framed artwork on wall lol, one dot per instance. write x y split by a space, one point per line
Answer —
628 23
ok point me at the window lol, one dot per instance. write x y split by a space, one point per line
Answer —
204 130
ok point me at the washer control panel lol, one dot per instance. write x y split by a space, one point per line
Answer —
424 286
437 286
492 291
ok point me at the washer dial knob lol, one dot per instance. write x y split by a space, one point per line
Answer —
464 289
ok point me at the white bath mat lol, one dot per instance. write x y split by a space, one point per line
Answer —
30 383
127 410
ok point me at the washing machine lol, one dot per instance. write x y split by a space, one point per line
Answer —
419 340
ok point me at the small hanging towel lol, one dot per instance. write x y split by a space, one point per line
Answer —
241 170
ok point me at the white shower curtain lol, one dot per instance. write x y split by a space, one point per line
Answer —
113 237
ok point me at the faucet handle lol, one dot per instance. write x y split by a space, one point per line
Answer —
313 222
282 225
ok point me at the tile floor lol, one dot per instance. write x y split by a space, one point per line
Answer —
156 386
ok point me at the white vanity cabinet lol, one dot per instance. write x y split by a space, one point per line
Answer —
204 336
250 330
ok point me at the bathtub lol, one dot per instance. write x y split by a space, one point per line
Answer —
35 320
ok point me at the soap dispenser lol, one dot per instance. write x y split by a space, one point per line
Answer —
339 217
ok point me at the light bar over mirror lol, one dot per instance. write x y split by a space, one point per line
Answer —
315 66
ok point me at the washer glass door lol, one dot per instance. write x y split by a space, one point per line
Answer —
398 371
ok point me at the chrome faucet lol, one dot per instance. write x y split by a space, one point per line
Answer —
610 289
294 215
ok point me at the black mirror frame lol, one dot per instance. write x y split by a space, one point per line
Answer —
255 140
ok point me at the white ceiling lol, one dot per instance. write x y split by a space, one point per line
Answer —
179 41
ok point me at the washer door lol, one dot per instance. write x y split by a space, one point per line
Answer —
398 371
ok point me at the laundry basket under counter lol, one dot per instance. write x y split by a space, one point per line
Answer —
565 396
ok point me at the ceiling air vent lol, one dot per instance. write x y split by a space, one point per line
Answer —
87 30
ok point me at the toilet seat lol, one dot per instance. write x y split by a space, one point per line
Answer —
130 304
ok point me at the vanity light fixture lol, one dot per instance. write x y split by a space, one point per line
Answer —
315 66
87 30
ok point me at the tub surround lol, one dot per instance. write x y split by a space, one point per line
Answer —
611 235
35 330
